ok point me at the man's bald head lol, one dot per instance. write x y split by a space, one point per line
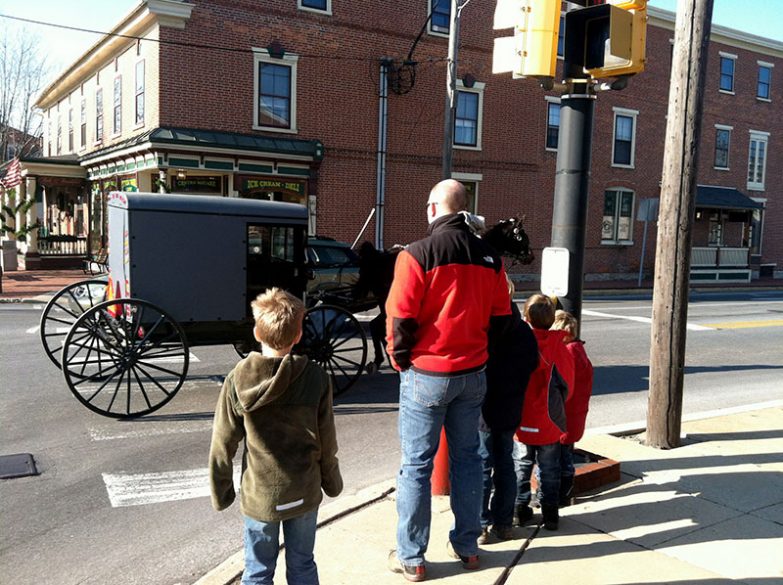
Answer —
449 196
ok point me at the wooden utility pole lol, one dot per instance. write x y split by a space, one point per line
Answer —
675 221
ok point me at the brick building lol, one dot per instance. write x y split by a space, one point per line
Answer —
285 101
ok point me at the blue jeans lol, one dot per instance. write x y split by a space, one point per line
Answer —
427 404
262 546
496 450
548 459
567 471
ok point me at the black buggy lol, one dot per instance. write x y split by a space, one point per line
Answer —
182 272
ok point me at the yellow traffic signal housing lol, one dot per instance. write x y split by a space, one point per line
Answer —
607 40
536 26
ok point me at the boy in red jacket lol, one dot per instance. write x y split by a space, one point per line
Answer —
543 414
576 403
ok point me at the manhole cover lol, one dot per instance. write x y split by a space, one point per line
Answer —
20 465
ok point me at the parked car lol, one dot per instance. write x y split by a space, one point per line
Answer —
335 270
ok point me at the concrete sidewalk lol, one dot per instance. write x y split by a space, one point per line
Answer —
38 286
706 513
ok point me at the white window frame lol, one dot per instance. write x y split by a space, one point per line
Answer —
616 241
327 11
83 122
628 114
432 31
471 178
733 58
114 107
769 66
550 99
288 60
758 136
478 88
730 129
100 113
136 93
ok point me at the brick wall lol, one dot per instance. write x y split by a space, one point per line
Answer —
337 103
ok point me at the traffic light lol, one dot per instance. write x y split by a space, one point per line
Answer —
532 51
606 39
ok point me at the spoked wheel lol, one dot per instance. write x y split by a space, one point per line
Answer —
62 311
125 358
332 337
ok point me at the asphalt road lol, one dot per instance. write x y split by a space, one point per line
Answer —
126 502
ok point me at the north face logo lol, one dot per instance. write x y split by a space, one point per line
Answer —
489 259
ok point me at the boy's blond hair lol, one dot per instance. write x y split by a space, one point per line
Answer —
510 284
565 321
278 315
539 311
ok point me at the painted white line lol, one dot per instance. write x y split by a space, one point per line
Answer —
33 329
149 430
646 320
39 307
364 318
154 488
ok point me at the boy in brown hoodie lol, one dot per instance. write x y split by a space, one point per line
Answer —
281 406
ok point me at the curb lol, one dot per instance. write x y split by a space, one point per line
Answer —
231 569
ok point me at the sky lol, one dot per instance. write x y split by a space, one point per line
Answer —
759 17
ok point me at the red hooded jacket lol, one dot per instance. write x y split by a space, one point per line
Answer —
544 411
577 401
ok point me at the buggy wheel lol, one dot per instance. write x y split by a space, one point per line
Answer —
333 338
125 358
62 311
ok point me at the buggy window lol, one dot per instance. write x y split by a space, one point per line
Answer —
332 256
283 243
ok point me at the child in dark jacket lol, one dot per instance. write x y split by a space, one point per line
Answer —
281 406
576 403
543 414
513 355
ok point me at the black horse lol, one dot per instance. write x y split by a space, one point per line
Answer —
376 271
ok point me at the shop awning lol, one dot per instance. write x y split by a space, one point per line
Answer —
724 198
231 142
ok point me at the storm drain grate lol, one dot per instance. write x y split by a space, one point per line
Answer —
19 465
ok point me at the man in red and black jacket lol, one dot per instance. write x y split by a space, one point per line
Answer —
447 287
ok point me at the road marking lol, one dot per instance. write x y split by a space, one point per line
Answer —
647 320
746 324
33 329
140 489
110 433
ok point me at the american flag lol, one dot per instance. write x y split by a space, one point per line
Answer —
13 175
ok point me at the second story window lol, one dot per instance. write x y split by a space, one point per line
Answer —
117 124
316 5
624 137
757 159
764 81
440 16
70 129
727 72
467 120
722 141
140 93
83 124
552 123
59 135
98 114
561 37
275 84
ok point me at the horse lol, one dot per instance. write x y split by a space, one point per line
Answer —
376 269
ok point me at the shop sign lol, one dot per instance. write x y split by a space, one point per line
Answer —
129 184
199 184
257 184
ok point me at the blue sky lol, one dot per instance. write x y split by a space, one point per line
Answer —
759 17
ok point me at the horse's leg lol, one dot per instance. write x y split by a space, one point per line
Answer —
378 333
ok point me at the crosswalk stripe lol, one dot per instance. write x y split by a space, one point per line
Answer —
140 489
111 433
646 320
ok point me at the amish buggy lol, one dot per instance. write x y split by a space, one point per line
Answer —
182 271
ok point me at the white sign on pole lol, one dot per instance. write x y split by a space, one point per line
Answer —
554 271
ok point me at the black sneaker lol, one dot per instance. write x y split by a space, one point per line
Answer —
551 516
502 532
524 514
471 563
413 573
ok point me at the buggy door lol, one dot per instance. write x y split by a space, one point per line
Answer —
275 257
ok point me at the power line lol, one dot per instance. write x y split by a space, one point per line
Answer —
173 43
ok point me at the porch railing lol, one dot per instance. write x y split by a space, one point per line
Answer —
62 246
714 257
